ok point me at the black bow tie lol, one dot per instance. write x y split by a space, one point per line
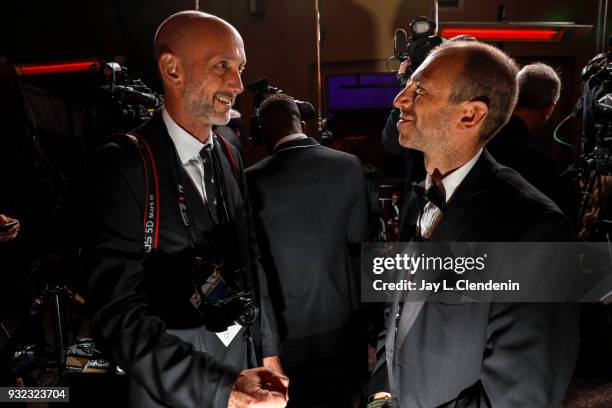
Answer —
432 194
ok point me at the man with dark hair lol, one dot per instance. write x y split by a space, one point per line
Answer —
514 146
146 285
434 354
310 209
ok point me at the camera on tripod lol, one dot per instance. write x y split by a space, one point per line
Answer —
594 167
261 90
596 107
416 47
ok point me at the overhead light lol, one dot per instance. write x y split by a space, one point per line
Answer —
56 68
506 34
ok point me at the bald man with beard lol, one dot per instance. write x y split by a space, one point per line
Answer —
142 303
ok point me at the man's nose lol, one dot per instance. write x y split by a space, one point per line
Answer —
404 99
235 82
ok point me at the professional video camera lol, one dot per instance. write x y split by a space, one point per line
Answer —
125 102
595 165
416 47
262 90
596 108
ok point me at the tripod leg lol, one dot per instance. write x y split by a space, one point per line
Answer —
57 328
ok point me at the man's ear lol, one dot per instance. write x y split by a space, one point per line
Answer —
171 70
547 111
473 114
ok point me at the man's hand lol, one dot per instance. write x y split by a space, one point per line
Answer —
259 387
402 75
10 233
404 66
380 400
274 364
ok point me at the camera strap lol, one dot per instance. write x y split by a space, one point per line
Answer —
151 210
181 179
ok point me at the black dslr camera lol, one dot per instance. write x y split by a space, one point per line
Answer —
222 313
219 304
261 90
416 47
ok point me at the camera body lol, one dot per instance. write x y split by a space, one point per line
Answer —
596 107
238 308
592 172
220 304
416 47
125 102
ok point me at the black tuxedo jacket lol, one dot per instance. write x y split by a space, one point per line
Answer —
310 206
136 301
482 354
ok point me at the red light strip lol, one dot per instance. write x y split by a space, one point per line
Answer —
34 69
505 34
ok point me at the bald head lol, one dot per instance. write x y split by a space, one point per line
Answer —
200 58
181 30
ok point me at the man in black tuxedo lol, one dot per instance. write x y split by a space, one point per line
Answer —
309 203
472 354
141 281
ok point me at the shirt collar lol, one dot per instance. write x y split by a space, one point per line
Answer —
288 138
187 146
452 181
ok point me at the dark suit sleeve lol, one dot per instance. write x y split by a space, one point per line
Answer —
357 229
270 342
532 350
167 367
532 347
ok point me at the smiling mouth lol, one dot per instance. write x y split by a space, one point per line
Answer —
405 117
225 100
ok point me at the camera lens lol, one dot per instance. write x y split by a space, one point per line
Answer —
249 315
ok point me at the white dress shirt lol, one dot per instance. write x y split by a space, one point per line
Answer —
431 214
188 148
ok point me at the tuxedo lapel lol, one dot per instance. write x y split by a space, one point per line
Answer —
390 341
